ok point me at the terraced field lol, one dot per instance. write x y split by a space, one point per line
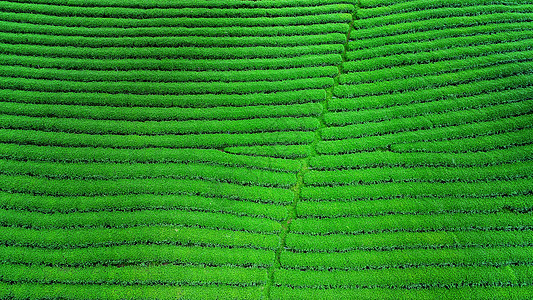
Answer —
287 149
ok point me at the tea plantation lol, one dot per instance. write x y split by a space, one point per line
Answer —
266 149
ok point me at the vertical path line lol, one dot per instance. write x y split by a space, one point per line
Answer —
305 165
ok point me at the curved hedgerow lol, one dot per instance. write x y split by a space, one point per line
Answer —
406 16
435 24
419 189
135 13
190 3
444 33
158 235
441 43
170 41
165 88
133 219
424 96
138 254
386 7
428 206
222 102
152 276
475 256
251 76
202 141
439 67
420 280
117 292
156 186
482 102
152 203
522 136
416 159
137 171
424 222
431 81
432 121
65 63
146 155
191 32
434 56
518 126
421 174
389 241
489 290
198 22
170 52
91 126
160 114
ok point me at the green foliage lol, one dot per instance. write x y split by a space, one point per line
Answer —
390 241
447 106
420 159
411 278
158 186
108 171
190 3
429 82
120 292
282 151
164 88
249 149
415 206
219 140
170 52
419 189
386 7
439 43
191 32
191 12
446 221
140 106
121 23
145 218
66 63
146 114
461 138
171 41
146 155
420 174
137 255
465 291
169 76
431 120
439 67
428 95
360 259
91 126
397 14
467 52
483 143
437 24
152 203
149 275
459 33
106 237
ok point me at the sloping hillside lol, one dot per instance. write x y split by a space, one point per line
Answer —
267 149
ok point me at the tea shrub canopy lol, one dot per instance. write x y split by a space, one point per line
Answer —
261 149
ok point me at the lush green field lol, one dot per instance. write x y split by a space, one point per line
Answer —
266 149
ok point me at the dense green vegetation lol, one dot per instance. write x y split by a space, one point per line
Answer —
266 149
